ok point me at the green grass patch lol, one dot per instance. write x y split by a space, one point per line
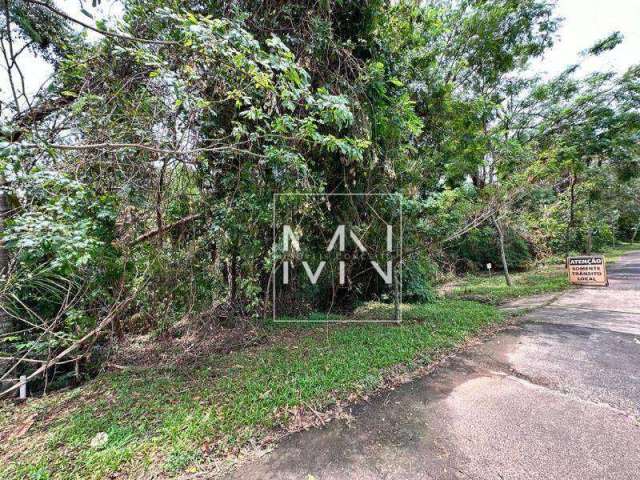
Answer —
614 253
548 277
494 289
164 419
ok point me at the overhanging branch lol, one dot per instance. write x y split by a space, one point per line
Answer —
161 231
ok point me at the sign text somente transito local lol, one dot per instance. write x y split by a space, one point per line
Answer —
588 270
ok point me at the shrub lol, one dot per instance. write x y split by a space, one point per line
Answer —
481 246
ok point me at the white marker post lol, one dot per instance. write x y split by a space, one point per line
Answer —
23 387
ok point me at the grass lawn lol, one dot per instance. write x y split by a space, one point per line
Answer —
171 420
549 277
615 252
494 290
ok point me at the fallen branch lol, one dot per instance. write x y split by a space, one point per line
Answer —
34 360
159 231
93 333
36 114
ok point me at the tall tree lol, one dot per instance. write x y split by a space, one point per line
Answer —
5 321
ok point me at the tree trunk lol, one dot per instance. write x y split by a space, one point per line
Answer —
122 283
159 195
5 320
396 293
570 224
572 206
233 279
589 231
503 256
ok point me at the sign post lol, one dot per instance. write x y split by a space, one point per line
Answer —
590 270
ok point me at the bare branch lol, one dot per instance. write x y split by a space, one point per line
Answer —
120 36
93 333
159 231
142 146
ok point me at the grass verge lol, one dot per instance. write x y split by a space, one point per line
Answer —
548 277
171 420
494 290
614 253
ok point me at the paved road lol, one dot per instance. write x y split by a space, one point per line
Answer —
556 397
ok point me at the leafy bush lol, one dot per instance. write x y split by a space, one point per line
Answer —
63 262
481 246
418 279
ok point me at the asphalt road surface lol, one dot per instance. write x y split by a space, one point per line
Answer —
555 397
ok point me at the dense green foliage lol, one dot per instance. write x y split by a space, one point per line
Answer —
146 171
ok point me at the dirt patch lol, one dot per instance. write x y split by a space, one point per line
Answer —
183 345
